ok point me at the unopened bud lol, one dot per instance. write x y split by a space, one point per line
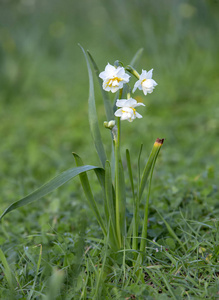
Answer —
159 142
105 124
109 124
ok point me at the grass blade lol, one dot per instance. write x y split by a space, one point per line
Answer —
48 187
7 271
92 114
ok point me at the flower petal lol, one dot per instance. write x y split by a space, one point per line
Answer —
126 116
118 113
130 102
150 74
139 104
110 69
137 85
138 115
121 103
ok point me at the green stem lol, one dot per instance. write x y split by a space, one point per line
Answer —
131 70
117 157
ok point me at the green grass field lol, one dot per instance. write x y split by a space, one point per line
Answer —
54 247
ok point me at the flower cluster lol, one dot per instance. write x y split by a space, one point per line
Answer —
113 80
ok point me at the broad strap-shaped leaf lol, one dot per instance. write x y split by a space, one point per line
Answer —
110 196
88 193
100 173
110 207
157 145
105 95
153 156
92 114
48 187
136 207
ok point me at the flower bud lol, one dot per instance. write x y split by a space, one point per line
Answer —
109 124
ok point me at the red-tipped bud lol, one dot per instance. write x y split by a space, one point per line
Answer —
159 142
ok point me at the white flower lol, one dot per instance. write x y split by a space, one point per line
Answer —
127 110
113 78
145 82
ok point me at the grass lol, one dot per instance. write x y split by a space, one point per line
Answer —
53 249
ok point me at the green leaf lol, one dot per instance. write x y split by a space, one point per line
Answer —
109 193
130 172
110 201
153 156
92 114
139 165
48 187
135 220
106 100
100 173
136 57
88 193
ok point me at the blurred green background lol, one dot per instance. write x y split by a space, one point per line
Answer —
44 84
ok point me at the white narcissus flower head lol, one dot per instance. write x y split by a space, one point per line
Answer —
127 109
145 82
113 78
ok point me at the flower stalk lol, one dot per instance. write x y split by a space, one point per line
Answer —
117 184
132 71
